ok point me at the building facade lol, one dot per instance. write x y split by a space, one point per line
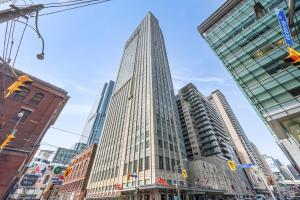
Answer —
74 186
239 139
294 172
40 104
207 144
142 111
252 50
64 155
79 147
38 166
203 131
95 122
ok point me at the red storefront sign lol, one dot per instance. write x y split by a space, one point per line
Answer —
161 181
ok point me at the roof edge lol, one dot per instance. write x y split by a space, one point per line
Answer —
217 15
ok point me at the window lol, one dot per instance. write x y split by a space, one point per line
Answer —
160 144
130 166
165 145
141 164
161 162
295 91
147 144
171 147
134 166
21 95
173 164
125 169
36 99
147 166
167 164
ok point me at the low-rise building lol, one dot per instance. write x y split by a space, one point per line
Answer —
74 186
33 110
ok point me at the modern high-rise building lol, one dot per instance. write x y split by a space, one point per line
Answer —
295 174
95 122
246 36
260 161
64 156
207 143
203 131
142 112
79 147
239 139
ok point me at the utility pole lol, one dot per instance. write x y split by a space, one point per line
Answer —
16 12
291 11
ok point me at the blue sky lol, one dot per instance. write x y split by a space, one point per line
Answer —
84 49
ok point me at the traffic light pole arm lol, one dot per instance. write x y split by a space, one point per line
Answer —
16 12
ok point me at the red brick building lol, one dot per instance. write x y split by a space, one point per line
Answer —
74 186
40 104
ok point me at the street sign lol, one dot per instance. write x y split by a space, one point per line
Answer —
284 27
245 166
184 173
29 180
231 165
57 170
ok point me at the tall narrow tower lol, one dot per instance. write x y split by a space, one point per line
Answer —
142 112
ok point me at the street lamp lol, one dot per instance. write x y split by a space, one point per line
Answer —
177 176
259 10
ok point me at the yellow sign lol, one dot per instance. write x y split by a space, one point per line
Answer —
184 173
231 165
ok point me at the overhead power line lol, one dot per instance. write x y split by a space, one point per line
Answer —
75 3
81 6
69 132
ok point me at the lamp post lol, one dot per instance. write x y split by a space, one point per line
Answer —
177 177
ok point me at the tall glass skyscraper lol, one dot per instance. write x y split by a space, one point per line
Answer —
142 111
252 50
95 122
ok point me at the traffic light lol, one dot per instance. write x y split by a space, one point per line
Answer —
17 85
293 57
68 171
231 165
6 142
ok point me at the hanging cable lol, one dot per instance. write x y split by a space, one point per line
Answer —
73 4
69 132
8 40
20 42
4 43
63 2
81 6
11 43
41 55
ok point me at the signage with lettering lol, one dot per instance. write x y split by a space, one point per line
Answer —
161 181
29 180
284 27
